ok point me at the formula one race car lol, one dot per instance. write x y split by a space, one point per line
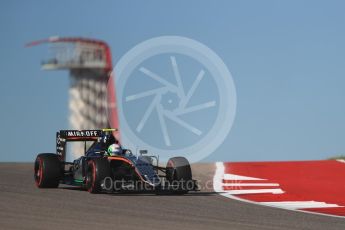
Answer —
105 166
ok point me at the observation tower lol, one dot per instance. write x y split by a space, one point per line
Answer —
92 97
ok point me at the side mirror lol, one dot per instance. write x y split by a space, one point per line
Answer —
128 152
143 152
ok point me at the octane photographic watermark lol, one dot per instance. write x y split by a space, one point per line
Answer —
111 185
175 97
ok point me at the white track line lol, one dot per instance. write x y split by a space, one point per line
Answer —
300 204
238 177
254 191
250 184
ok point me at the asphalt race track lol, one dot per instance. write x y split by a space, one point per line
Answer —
23 206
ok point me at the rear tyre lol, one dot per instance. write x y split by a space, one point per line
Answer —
179 175
47 170
98 169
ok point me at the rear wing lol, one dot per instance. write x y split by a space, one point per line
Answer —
80 135
64 136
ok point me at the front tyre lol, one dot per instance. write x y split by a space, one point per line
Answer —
98 170
47 170
179 175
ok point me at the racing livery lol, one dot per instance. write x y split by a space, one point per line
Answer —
106 166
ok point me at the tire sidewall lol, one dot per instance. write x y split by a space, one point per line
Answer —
49 167
98 170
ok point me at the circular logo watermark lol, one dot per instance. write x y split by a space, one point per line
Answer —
175 97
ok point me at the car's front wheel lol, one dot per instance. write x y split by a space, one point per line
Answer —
179 175
98 169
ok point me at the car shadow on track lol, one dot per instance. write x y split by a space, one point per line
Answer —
143 193
162 194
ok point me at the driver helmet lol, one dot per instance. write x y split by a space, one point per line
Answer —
114 149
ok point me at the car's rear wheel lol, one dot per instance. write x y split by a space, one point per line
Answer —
47 170
98 169
179 175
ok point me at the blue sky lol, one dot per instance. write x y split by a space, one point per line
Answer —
286 58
